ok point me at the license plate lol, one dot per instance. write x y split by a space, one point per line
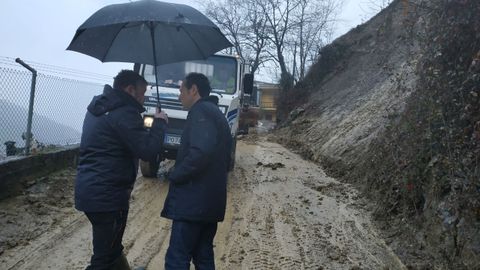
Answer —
172 139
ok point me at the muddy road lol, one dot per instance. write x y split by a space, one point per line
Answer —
282 213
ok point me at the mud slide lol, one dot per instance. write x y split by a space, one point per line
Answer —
66 244
282 213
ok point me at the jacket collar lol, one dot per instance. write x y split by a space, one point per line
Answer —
129 100
211 99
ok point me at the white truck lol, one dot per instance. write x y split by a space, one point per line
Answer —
229 79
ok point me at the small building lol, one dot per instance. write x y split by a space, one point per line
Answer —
266 99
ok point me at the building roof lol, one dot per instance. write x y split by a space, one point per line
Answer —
263 85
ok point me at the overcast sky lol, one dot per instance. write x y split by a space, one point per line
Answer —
40 31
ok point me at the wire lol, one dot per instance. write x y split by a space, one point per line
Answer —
56 70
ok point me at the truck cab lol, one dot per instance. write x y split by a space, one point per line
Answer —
228 79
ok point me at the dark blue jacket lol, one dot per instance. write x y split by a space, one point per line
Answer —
198 182
113 139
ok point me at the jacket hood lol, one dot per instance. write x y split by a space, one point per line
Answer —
110 100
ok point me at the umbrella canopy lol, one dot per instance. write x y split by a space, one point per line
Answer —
148 32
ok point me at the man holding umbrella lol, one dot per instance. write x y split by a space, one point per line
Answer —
113 139
147 32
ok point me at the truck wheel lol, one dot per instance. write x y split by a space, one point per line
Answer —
149 169
232 154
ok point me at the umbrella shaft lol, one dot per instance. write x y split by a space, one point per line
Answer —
152 35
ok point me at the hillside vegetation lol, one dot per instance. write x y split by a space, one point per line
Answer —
393 106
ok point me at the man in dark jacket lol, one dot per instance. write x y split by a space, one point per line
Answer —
197 194
113 139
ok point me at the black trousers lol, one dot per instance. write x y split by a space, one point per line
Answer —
108 229
191 241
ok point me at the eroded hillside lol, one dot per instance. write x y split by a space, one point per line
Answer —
393 107
360 81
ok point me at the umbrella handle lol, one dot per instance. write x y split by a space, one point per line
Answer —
159 106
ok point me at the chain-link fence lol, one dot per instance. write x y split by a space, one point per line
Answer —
60 101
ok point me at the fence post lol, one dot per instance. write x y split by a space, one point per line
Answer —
30 105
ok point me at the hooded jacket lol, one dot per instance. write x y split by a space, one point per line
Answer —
113 139
198 182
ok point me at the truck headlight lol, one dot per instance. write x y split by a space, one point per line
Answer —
148 121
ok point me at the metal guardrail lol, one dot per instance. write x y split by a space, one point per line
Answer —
44 107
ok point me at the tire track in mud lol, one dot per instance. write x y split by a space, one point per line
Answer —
69 246
30 255
282 213
295 217
147 231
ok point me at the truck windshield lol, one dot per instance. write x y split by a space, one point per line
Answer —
221 71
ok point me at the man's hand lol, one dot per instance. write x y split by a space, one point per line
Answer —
161 114
164 174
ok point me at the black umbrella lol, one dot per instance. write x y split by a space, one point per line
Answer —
148 32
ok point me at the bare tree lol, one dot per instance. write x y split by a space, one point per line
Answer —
256 35
287 32
371 7
314 21
278 14
230 17
244 25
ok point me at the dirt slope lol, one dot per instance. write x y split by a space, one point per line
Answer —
283 213
361 80
393 107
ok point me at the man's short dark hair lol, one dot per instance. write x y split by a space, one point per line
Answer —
128 77
201 81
